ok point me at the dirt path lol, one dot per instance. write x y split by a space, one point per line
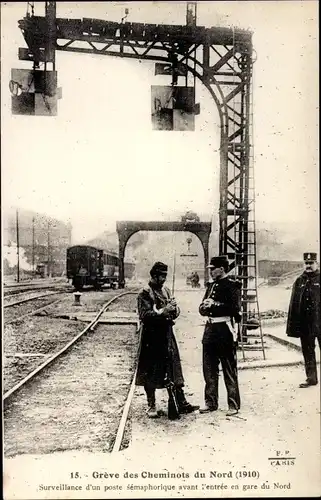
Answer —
276 416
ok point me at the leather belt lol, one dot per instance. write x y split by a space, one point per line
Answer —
219 319
227 320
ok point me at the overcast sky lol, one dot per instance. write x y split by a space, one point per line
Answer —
100 161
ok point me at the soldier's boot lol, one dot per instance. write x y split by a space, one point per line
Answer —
151 401
183 405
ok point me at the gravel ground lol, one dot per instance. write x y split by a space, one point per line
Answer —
274 297
35 336
77 403
275 417
46 335
92 301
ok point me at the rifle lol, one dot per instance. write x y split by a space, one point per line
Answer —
172 406
174 269
172 409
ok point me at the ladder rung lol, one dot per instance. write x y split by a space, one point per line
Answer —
247 347
245 254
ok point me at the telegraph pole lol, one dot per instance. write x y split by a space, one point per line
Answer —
18 257
33 245
48 250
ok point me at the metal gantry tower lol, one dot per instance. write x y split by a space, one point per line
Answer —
222 60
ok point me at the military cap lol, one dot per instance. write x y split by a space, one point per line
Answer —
219 261
309 256
158 268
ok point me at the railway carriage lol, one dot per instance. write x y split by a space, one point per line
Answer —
90 266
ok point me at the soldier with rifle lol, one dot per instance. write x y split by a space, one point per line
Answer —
159 364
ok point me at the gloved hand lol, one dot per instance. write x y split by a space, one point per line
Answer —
208 302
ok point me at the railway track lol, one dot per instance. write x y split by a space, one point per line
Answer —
28 299
17 289
50 367
42 298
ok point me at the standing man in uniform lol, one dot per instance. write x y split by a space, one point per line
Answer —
304 315
159 351
221 305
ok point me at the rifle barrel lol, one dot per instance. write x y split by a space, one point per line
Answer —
174 270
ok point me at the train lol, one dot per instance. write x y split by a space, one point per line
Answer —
95 267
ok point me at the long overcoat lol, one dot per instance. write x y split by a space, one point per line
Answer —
296 323
159 355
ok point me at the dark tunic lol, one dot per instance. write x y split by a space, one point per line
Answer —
304 308
227 293
159 353
218 343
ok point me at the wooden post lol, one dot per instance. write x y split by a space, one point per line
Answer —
18 256
48 250
33 245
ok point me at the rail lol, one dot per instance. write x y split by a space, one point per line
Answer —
55 356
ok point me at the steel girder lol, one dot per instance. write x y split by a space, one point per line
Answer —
221 58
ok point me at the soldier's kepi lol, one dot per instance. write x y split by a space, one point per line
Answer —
221 304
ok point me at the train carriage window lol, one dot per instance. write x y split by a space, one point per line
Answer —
112 260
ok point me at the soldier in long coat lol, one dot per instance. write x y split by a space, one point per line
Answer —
159 358
304 315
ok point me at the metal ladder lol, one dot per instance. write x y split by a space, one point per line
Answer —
245 252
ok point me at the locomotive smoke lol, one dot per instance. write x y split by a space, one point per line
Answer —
10 254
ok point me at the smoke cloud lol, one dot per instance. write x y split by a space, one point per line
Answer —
10 254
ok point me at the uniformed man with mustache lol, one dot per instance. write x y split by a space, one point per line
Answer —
304 315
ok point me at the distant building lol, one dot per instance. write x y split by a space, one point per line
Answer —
277 268
43 239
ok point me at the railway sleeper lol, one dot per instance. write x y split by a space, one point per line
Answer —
87 319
